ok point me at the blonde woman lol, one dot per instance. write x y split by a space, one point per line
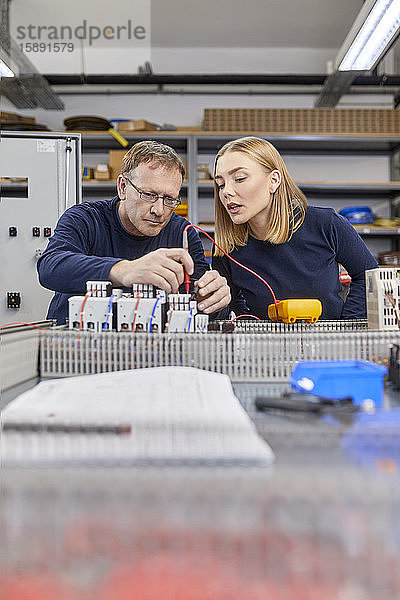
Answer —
263 221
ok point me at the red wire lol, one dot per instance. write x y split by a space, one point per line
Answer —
82 307
135 313
23 323
89 293
239 264
240 316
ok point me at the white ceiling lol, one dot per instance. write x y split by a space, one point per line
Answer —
202 36
252 23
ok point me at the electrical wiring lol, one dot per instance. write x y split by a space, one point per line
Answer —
241 316
235 261
135 312
389 295
109 312
23 323
83 307
190 320
169 321
152 314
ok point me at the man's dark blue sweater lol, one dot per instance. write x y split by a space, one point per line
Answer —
304 267
90 238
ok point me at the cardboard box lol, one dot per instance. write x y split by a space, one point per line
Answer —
102 172
7 117
115 162
327 121
188 128
136 125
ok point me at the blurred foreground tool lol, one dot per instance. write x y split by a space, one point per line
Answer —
304 403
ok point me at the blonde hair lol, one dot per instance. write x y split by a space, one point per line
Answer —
149 151
288 203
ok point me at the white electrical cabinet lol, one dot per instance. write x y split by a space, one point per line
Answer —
40 177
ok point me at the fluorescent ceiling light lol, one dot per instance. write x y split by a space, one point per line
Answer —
5 71
22 84
374 30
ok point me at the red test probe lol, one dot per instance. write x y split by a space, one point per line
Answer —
186 247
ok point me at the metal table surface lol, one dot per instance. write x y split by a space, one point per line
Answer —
321 523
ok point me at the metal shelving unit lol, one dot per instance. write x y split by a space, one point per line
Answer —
100 141
209 143
93 190
339 145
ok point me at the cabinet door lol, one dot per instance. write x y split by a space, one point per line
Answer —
34 171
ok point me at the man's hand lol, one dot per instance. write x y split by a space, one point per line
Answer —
164 268
214 293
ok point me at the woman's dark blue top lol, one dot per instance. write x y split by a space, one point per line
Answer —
304 267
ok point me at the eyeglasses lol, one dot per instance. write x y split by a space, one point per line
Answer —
150 197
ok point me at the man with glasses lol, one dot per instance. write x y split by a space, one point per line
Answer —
134 238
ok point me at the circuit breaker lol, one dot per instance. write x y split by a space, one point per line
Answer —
144 310
39 179
96 316
182 315
141 314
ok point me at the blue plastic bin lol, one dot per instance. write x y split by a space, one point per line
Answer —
357 379
358 215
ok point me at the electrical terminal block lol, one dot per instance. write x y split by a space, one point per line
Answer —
181 314
117 293
180 301
144 290
148 309
142 314
99 289
201 323
95 315
383 298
